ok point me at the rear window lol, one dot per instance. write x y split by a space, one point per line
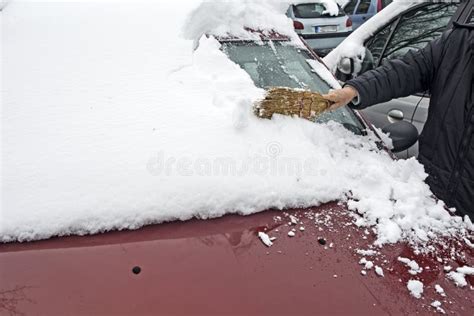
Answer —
312 10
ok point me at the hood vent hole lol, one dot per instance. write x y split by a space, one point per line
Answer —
136 270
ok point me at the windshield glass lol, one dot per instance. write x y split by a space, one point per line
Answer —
277 64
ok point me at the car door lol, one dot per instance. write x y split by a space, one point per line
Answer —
364 10
411 31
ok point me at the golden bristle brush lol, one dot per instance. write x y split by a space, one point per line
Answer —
291 102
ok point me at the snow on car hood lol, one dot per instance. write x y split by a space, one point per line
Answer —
111 121
353 45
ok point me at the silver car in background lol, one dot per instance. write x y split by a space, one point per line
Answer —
322 24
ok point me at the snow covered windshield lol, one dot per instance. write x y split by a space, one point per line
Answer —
277 64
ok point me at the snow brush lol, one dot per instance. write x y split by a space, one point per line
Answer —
291 102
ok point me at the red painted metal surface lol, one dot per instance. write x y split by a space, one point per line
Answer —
221 267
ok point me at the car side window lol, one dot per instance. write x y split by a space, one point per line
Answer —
349 8
363 7
386 3
377 42
419 27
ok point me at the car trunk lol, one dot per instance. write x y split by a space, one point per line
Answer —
324 25
220 266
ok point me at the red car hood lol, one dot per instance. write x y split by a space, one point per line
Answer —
221 266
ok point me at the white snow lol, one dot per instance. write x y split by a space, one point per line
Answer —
436 304
293 220
3 4
110 120
469 225
331 7
465 270
458 278
469 243
368 252
440 290
384 137
366 263
227 18
379 271
265 239
412 264
415 287
325 74
353 45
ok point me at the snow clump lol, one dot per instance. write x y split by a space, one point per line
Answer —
415 287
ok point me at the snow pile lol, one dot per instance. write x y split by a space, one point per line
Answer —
235 18
353 46
331 7
267 241
440 290
437 305
415 287
459 276
412 264
111 121
366 263
379 271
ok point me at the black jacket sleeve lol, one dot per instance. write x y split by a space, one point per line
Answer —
396 78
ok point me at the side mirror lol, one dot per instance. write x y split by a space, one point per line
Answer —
346 65
403 135
345 69
350 67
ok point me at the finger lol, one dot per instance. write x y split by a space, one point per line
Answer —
330 96
335 106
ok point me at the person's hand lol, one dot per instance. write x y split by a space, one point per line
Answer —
341 97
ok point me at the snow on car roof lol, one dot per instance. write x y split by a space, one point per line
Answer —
110 120
238 18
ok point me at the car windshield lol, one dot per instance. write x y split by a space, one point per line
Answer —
278 64
312 10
